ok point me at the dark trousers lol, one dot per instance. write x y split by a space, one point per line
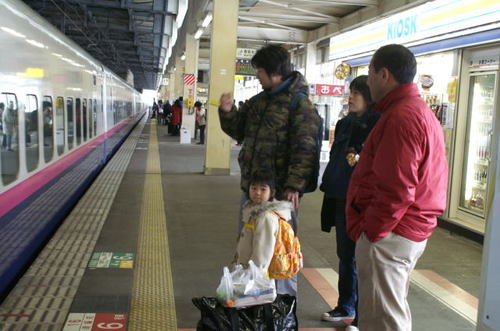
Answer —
202 134
348 276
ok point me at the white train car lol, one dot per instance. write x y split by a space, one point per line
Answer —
56 101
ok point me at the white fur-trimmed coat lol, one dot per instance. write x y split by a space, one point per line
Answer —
260 228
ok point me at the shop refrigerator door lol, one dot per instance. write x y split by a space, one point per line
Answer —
476 169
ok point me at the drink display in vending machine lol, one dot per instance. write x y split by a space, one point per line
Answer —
478 143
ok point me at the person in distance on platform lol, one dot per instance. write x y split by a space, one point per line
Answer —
397 189
201 120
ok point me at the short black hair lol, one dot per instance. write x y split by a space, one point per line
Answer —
260 178
197 104
274 60
360 84
398 59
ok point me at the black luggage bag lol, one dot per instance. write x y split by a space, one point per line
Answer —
277 316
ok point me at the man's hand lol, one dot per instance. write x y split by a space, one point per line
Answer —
226 102
292 196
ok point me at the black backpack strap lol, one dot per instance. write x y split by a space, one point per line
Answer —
294 104
268 315
234 319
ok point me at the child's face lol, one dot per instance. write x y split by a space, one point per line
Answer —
259 193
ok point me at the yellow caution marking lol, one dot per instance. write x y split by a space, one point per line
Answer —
153 305
214 103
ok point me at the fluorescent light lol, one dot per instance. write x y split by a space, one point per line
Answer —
36 43
183 57
70 61
13 32
198 33
207 20
56 54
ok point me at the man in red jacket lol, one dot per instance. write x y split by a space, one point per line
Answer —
396 191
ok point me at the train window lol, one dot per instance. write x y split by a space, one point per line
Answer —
48 128
94 117
78 121
115 109
84 113
60 125
90 119
130 109
10 137
31 129
71 122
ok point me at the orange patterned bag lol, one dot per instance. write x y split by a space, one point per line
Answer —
287 258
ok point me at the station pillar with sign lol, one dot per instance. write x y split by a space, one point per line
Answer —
222 70
189 83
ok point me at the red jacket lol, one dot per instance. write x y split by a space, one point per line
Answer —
176 115
400 182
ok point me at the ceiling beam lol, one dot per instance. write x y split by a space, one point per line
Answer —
269 34
291 7
248 19
367 3
117 5
281 17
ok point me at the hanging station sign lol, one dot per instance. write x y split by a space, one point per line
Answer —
325 89
245 53
244 67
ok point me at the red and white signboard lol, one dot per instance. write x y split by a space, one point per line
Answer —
95 322
325 89
189 79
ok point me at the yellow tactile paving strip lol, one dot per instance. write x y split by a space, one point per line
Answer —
153 306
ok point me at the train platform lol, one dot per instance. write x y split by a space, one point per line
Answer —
153 232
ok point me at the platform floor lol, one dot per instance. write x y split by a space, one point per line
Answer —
171 230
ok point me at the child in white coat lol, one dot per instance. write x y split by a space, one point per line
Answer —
261 215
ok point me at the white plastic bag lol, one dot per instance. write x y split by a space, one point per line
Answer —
225 291
245 287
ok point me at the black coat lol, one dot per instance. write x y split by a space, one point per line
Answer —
350 134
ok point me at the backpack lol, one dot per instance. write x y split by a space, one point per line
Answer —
287 258
312 181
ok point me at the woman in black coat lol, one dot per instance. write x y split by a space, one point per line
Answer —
350 135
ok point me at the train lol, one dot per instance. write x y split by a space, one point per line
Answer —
62 116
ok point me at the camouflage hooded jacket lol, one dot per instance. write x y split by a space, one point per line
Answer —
276 140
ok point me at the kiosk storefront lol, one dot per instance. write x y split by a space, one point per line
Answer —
457 47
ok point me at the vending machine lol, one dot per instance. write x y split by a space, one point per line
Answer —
475 156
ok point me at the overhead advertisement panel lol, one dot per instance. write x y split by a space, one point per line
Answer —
433 19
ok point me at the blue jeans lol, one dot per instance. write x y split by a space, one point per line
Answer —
348 276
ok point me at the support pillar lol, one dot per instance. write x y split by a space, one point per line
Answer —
191 68
178 74
310 72
171 86
222 68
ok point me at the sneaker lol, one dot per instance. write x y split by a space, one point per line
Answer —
351 328
337 315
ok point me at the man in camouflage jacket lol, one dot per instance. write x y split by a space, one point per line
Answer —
277 140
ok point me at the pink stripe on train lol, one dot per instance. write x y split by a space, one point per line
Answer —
18 193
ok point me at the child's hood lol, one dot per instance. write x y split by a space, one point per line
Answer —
251 210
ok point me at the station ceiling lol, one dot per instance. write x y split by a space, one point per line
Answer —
123 34
135 34
288 21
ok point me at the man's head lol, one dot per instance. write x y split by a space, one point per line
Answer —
273 65
391 66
